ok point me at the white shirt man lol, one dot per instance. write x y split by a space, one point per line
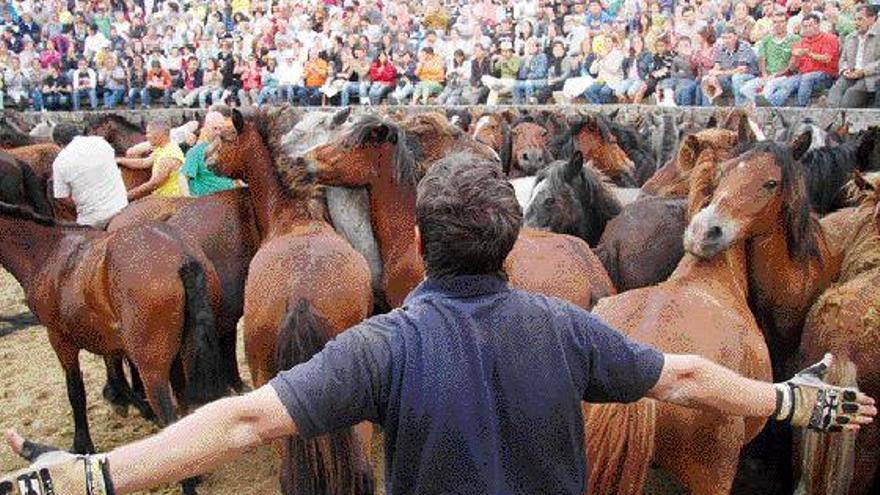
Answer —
86 172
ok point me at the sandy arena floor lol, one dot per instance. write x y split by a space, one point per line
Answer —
33 400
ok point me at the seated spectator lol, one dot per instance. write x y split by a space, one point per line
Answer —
813 65
560 67
158 85
383 78
36 74
431 74
637 67
682 80
774 57
608 68
859 63
734 56
251 82
136 76
532 74
201 179
212 84
355 72
458 73
15 85
56 89
269 78
661 71
505 68
84 81
111 79
406 77
316 74
189 84
742 22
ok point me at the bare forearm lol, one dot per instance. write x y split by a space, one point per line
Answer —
213 435
693 381
136 163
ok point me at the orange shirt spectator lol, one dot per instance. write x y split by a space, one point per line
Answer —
316 71
431 68
158 78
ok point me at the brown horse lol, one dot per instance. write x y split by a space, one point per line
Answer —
672 180
139 293
119 132
493 130
528 149
305 285
704 309
389 158
592 135
844 320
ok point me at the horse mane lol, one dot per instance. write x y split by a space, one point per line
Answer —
826 170
272 125
408 153
93 121
27 214
598 200
801 228
635 148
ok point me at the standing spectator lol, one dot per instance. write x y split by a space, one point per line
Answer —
383 78
111 78
251 82
317 73
733 56
458 73
56 89
84 81
859 62
813 65
190 83
532 74
774 57
431 74
158 84
136 75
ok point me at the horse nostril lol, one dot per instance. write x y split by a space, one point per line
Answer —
714 233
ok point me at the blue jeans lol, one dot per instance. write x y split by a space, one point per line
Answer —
378 92
37 99
112 97
133 95
308 96
778 90
55 101
150 93
93 98
684 89
738 80
354 87
526 89
599 94
267 95
749 89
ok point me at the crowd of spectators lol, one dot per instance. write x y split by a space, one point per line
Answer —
73 54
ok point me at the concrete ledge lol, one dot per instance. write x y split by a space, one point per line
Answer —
857 119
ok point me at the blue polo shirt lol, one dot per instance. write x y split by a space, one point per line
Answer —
478 387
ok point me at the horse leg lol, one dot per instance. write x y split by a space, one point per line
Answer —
228 338
116 391
76 394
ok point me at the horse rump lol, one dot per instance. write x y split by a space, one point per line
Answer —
620 446
204 370
828 460
327 464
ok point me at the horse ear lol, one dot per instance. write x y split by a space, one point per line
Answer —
237 120
744 133
340 117
613 115
800 145
862 183
574 166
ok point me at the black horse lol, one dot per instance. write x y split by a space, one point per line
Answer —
19 185
571 198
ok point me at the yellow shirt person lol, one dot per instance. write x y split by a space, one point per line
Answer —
172 187
164 162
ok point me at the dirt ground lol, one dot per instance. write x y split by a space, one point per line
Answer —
33 399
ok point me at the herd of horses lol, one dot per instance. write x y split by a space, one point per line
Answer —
759 253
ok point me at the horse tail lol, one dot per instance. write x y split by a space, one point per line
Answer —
329 463
620 446
35 190
827 461
204 372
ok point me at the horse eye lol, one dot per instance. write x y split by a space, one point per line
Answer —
549 201
770 185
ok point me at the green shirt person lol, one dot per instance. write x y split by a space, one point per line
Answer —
202 180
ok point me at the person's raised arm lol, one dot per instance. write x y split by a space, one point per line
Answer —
159 176
693 381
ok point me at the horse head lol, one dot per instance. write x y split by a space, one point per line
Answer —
759 191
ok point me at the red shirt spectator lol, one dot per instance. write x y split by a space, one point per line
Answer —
383 73
818 44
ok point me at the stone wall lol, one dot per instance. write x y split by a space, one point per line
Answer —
856 118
